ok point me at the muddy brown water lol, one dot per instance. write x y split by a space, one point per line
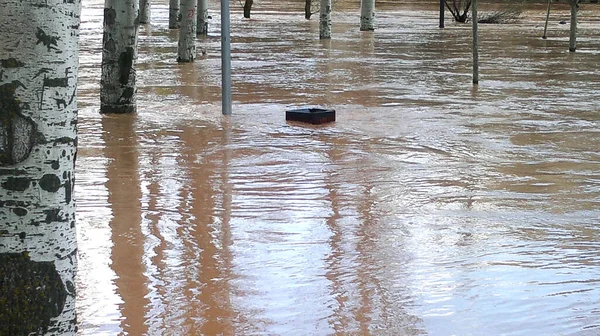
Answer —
429 207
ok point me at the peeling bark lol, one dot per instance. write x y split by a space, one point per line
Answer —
325 20
186 48
202 24
38 118
119 53
367 13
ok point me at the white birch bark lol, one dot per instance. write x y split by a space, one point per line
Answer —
367 13
38 120
325 19
202 26
573 33
119 53
144 11
186 48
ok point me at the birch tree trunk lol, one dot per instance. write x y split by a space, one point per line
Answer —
248 8
119 53
173 14
367 12
144 11
202 24
325 20
573 34
38 120
186 48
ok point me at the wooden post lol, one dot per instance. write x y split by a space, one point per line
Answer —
475 45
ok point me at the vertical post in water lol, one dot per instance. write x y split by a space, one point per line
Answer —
367 12
325 20
442 11
547 18
573 35
225 58
475 45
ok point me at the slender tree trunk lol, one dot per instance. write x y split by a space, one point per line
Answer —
119 53
38 119
475 44
547 18
367 12
202 24
247 8
173 14
307 9
186 49
573 35
325 20
144 11
442 12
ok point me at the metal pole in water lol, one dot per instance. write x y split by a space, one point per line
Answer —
225 58
442 4
475 45
547 18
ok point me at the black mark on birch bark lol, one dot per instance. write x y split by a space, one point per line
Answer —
31 293
50 183
110 16
125 65
10 63
53 215
51 42
16 183
17 132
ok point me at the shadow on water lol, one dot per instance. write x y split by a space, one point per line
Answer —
428 208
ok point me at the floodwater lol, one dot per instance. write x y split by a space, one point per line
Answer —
430 207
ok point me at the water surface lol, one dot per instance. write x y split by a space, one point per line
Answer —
430 207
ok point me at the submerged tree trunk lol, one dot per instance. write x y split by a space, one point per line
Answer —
38 118
202 23
307 9
119 53
173 14
144 11
325 20
442 12
247 8
547 18
367 12
186 49
573 34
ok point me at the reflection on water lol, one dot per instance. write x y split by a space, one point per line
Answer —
429 208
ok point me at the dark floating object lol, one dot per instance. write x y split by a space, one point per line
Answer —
311 115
